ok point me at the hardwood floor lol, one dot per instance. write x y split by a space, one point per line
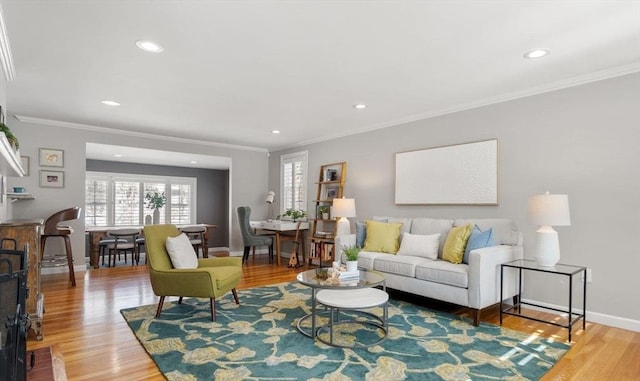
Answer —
97 344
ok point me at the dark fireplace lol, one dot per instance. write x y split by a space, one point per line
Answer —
13 319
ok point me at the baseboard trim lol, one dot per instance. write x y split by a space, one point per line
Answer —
595 317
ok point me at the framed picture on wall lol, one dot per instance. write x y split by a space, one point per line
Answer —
51 157
52 179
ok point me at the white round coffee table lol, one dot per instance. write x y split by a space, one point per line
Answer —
310 278
353 300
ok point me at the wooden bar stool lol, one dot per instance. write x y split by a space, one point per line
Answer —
53 229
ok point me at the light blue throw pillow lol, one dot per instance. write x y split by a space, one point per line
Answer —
361 233
478 240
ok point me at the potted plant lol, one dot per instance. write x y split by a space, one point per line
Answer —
323 211
292 214
10 136
351 252
155 200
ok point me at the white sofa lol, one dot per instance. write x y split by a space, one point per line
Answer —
475 285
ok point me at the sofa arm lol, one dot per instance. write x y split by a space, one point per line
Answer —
484 274
341 241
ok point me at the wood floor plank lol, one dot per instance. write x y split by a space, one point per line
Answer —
86 325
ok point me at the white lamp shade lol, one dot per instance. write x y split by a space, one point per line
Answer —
550 210
270 197
344 207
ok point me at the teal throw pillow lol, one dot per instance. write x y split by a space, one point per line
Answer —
361 233
478 240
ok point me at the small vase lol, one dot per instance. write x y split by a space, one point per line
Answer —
352 265
156 216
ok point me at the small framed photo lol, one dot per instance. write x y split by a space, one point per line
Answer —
24 161
52 179
332 192
51 157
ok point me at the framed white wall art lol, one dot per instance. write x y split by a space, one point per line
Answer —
459 174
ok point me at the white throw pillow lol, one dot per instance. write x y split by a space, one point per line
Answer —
420 245
181 252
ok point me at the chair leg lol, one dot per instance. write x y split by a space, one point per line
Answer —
212 303
235 295
160 303
72 274
271 253
245 256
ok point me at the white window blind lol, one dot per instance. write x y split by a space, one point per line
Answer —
294 178
115 199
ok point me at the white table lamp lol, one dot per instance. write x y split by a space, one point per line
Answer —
270 199
343 208
548 210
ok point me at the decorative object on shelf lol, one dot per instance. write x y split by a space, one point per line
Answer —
351 253
51 179
323 212
548 210
51 157
343 208
24 160
155 200
10 136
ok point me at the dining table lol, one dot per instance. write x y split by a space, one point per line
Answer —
97 233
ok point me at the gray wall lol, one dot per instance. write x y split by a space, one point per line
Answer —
248 174
212 191
583 141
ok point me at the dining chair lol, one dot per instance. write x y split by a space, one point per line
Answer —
52 228
196 236
129 235
249 238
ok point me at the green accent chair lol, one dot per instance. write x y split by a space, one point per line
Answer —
213 278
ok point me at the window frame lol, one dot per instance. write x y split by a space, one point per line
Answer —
112 177
300 156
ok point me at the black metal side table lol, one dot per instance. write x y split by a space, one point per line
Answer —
559 269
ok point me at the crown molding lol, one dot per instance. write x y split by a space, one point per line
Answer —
6 59
553 86
87 127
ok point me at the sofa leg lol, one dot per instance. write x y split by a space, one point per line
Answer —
212 303
235 295
160 303
180 300
476 316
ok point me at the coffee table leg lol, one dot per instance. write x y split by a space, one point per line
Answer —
313 313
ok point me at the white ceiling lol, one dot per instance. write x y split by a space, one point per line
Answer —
232 71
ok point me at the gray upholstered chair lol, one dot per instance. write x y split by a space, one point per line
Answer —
249 238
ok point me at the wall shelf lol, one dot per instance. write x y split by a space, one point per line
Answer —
19 196
10 164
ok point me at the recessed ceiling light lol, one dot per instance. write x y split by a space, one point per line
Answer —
536 53
149 46
117 155
194 162
360 106
275 131
110 103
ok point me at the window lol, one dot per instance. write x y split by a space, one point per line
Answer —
116 199
293 175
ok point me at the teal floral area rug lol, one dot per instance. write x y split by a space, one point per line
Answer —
259 340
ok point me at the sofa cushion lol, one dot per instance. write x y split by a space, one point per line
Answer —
453 250
505 231
477 240
361 233
366 259
401 265
443 272
418 245
382 237
427 226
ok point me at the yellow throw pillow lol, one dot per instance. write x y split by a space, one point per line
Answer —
382 237
453 250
